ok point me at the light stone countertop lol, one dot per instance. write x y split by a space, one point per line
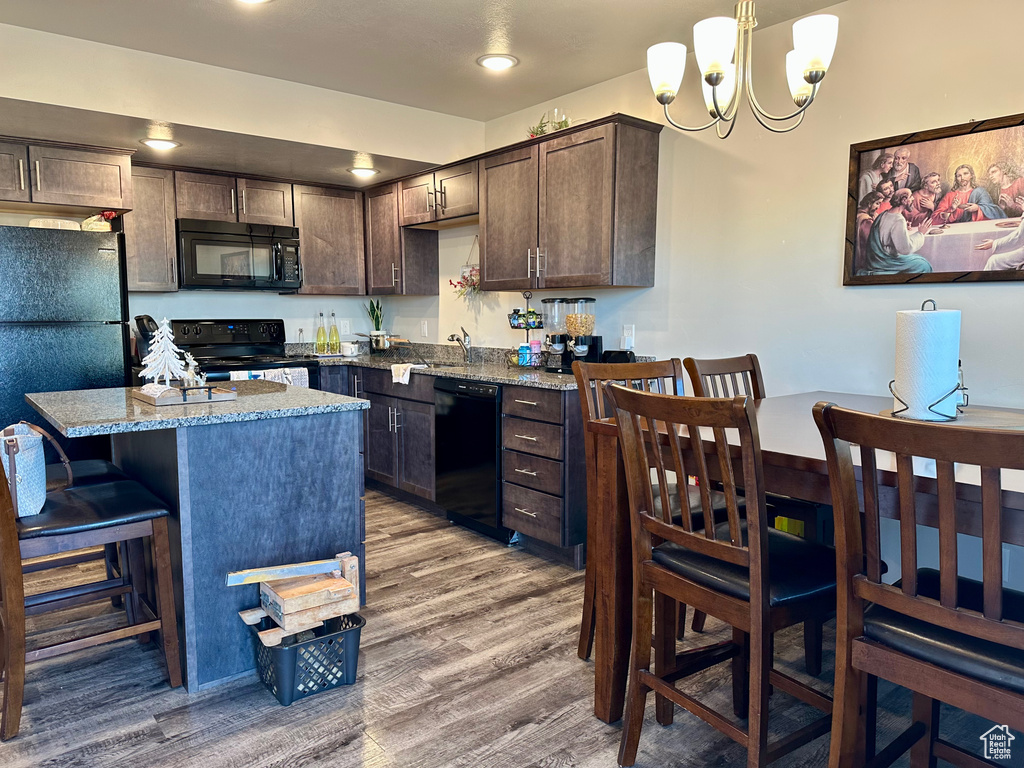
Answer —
89 412
493 373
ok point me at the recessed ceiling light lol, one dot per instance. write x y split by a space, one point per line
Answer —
497 61
253 2
161 144
363 173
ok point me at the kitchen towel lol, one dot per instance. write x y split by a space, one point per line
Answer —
927 363
400 372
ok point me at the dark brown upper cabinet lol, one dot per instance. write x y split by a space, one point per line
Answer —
398 260
330 223
14 181
81 178
576 210
149 236
508 220
444 194
205 196
265 202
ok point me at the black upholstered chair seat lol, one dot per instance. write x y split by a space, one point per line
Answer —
85 472
989 662
90 508
797 569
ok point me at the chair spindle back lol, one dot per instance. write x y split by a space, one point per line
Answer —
726 377
952 448
681 445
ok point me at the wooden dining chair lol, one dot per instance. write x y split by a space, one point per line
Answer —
74 519
741 377
945 637
741 571
664 376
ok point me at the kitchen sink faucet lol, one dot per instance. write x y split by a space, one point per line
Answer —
464 341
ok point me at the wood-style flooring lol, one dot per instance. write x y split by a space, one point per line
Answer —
468 659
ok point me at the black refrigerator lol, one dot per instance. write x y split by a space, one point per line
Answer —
63 312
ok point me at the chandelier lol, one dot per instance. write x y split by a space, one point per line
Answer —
724 48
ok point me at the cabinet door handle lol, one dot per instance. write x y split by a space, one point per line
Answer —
243 201
398 424
39 178
431 200
539 270
443 195
529 262
234 209
394 275
355 386
21 174
391 426
527 437
526 472
526 402
525 512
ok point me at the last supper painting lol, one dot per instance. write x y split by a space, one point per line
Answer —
943 205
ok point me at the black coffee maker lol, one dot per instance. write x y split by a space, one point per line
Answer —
570 327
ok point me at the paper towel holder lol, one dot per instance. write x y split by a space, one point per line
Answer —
964 397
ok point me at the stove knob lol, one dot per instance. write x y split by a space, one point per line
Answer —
263 328
198 330
274 328
183 330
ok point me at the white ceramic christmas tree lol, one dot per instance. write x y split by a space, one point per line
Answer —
163 362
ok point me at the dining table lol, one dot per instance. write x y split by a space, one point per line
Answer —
793 459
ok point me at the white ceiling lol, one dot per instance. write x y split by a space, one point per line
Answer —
421 53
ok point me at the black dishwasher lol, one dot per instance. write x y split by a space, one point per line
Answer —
467 456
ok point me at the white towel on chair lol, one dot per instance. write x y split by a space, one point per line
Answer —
400 372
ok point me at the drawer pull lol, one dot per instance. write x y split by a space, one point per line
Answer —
526 402
526 472
527 437
531 514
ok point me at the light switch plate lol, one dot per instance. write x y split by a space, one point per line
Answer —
628 331
424 329
344 327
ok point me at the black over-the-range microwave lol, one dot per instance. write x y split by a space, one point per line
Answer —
218 254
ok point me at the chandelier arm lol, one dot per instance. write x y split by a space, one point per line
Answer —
733 106
782 129
680 127
718 129
756 107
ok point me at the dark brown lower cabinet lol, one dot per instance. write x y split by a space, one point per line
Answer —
381 451
415 429
399 433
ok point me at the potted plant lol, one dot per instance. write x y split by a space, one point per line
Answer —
378 336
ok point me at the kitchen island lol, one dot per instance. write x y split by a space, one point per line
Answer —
272 477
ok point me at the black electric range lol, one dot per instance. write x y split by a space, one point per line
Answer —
223 347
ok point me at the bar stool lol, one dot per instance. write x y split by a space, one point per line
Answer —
753 577
77 518
664 376
945 637
741 377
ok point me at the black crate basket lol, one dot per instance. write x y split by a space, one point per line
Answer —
301 669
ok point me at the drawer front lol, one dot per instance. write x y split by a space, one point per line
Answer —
532 471
532 513
533 403
378 381
531 437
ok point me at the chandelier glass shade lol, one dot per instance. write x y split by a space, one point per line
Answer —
724 49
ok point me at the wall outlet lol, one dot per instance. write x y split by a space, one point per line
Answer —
628 331
424 329
626 342
345 327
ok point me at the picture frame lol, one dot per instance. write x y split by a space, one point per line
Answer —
960 221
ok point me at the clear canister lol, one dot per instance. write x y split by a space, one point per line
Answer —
580 319
554 311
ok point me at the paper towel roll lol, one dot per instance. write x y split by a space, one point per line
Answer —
927 362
